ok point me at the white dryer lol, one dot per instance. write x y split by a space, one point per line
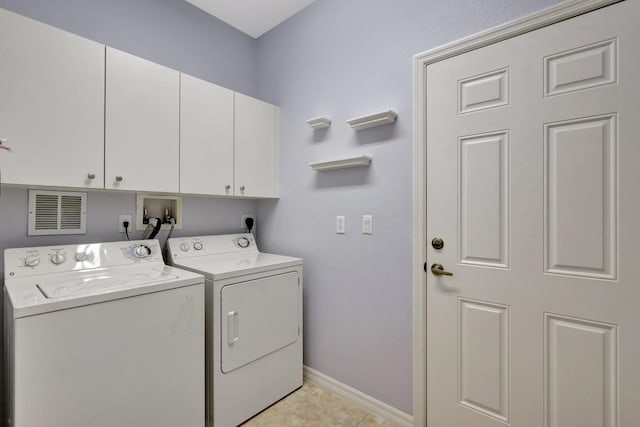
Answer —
253 323
102 335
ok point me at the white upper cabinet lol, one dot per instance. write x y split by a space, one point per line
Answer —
51 105
256 147
141 124
79 114
206 137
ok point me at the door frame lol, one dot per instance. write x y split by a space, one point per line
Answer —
534 21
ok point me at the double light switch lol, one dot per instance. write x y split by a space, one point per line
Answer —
367 224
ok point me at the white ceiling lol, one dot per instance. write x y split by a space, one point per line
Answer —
252 17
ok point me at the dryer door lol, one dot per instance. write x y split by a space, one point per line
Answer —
258 317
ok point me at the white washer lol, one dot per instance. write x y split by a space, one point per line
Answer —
102 335
253 323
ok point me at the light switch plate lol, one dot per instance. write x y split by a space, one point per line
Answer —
340 224
367 224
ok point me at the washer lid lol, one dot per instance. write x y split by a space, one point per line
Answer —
33 295
80 283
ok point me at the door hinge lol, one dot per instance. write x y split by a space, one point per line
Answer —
425 267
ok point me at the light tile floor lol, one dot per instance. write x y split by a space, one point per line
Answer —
313 406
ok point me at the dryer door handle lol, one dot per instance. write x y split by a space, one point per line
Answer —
233 327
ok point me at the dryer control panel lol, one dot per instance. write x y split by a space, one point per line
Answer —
185 247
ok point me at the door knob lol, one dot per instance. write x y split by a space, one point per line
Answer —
439 270
242 187
119 178
227 187
91 175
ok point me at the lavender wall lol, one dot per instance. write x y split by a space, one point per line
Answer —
344 59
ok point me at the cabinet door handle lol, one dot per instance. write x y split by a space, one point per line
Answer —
242 187
91 175
227 187
119 178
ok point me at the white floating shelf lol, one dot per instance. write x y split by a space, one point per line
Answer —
373 120
350 162
319 122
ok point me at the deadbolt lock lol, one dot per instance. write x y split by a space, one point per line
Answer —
437 243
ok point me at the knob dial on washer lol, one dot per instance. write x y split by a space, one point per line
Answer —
184 246
31 261
142 251
81 256
58 258
197 246
243 242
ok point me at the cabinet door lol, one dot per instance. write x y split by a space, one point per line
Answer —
51 105
141 124
256 147
206 137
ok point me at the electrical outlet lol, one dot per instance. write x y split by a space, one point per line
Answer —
340 224
244 226
122 219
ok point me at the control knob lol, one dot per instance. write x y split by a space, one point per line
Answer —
81 256
197 246
31 261
184 246
58 258
142 251
243 242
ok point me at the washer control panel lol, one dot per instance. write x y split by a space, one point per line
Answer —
58 259
140 251
184 247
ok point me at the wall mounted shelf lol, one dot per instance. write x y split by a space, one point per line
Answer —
319 122
350 162
373 120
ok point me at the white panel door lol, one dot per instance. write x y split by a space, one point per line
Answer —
206 137
256 147
258 317
532 183
141 124
51 105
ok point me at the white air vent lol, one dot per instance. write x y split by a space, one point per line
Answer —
57 212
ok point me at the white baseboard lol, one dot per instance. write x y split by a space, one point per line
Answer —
367 402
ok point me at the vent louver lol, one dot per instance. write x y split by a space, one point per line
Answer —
70 212
57 212
46 212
